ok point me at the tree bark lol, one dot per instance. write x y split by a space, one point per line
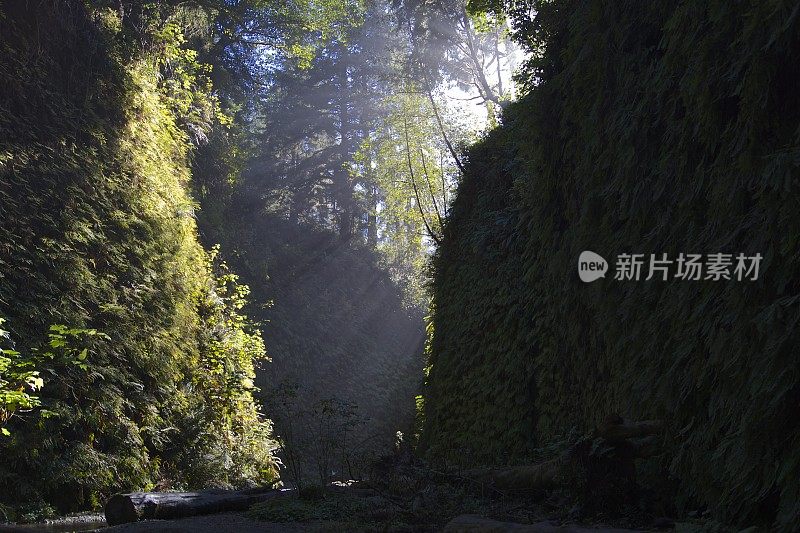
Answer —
632 439
343 185
527 477
372 219
124 508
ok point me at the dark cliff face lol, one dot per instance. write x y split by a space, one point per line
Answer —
649 130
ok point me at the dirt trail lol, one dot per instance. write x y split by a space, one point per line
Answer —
234 522
218 523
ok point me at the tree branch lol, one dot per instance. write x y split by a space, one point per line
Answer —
414 185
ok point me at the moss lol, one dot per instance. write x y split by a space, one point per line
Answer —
663 129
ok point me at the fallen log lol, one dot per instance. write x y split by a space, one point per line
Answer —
630 440
616 429
135 506
527 477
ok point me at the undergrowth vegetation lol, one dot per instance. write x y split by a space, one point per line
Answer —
654 128
346 353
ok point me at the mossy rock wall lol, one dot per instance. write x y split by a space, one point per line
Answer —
647 128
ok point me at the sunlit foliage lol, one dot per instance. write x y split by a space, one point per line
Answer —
407 162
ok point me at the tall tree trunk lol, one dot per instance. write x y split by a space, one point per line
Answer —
342 185
372 219
294 201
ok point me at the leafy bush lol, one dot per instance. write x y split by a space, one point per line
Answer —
21 375
19 380
322 441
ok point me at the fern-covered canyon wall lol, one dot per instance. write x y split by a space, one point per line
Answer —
637 134
147 374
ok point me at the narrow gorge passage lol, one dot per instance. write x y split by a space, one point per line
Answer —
399 265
